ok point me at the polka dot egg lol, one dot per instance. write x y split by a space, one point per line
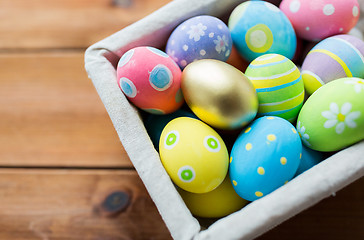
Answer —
264 157
259 27
201 37
150 79
193 154
279 86
314 20
333 58
154 124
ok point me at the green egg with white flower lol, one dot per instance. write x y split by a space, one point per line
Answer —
332 118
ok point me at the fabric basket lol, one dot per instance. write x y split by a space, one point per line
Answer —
307 189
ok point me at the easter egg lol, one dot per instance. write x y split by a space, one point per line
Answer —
264 157
154 124
193 154
150 79
219 94
259 27
279 86
219 202
201 37
332 118
309 159
333 58
314 20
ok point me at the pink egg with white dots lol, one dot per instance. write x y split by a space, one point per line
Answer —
150 79
315 20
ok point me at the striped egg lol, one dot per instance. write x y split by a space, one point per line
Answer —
333 58
259 27
279 86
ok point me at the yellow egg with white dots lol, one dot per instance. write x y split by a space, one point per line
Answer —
193 154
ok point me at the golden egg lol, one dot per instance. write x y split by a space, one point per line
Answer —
219 94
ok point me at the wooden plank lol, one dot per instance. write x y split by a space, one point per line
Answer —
70 204
67 23
51 114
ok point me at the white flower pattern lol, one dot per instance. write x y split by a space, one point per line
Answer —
197 31
221 43
304 136
340 117
358 84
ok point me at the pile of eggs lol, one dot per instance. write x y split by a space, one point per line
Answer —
237 110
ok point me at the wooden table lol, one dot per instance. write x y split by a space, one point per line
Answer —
63 171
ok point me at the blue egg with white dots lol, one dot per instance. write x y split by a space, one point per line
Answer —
259 27
201 37
265 156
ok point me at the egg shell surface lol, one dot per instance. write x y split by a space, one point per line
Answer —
333 58
332 118
264 157
201 37
219 94
279 86
219 202
193 154
259 27
315 20
150 79
309 159
154 124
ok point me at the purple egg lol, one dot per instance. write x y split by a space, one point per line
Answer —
333 58
201 37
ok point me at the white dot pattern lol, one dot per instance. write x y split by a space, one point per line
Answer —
258 38
295 6
355 11
329 9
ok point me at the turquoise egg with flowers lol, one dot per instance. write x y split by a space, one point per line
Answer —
259 27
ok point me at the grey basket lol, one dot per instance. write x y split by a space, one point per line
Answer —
307 189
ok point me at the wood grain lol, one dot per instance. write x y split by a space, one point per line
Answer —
51 114
51 118
64 204
44 24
